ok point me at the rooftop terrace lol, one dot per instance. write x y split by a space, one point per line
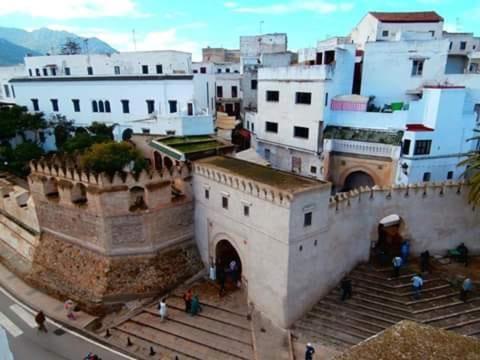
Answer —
262 174
189 147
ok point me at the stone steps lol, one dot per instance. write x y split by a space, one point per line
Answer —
231 332
400 295
328 334
454 312
177 341
393 283
319 317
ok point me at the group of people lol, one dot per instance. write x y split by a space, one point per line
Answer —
192 303
219 273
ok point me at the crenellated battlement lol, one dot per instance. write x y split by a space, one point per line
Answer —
422 190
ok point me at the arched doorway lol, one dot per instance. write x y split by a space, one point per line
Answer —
357 179
389 237
225 255
157 160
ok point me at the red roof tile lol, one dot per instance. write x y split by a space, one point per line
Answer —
407 17
418 127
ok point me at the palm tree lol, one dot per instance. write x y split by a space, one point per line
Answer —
472 173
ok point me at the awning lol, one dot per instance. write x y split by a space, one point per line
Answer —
418 127
390 220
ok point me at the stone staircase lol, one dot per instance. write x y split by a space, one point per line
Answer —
380 301
215 333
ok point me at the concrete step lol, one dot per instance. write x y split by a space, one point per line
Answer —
339 338
201 337
446 305
214 313
350 316
454 312
341 322
212 305
461 324
432 291
141 347
196 350
232 332
364 312
393 284
320 324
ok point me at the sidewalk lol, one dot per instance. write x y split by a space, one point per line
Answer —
37 300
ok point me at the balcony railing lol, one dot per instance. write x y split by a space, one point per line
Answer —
362 148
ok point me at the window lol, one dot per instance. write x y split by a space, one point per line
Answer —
219 91
307 219
116 70
406 147
37 72
172 105
144 69
67 71
195 71
203 70
432 32
90 70
253 127
107 106
159 69
303 98
101 107
189 109
451 45
272 95
246 210
207 194
53 71
417 67
76 105
30 72
45 72
253 84
300 132
94 106
271 127
125 106
267 154
145 131
7 90
385 33
54 104
450 175
422 147
224 202
463 45
219 70
326 99
234 92
35 104
150 106
426 176
13 91
227 70
313 169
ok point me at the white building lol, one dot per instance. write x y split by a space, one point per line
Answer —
142 91
293 103
7 90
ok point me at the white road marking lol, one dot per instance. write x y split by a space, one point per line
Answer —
24 315
8 325
73 333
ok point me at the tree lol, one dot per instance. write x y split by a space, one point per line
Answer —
71 47
16 120
473 172
110 157
102 130
62 129
18 158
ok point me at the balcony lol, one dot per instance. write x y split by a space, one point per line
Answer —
362 148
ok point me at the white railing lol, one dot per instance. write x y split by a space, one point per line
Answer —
363 148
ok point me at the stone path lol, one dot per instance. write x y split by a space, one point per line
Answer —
221 331
380 301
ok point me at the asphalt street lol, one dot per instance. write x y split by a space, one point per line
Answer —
27 343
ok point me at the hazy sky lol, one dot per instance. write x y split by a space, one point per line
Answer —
190 25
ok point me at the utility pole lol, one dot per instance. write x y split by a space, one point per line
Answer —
261 23
134 40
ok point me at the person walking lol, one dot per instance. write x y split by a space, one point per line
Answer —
397 263
195 306
417 284
405 251
467 287
162 309
40 320
221 281
187 298
463 250
309 351
212 271
69 307
346 288
425 261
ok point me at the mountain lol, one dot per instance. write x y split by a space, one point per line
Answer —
11 54
51 41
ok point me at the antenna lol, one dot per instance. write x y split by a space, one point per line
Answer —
260 27
86 46
134 40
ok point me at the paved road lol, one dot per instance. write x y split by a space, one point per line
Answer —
27 343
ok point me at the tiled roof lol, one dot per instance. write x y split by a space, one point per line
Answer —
408 17
418 127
